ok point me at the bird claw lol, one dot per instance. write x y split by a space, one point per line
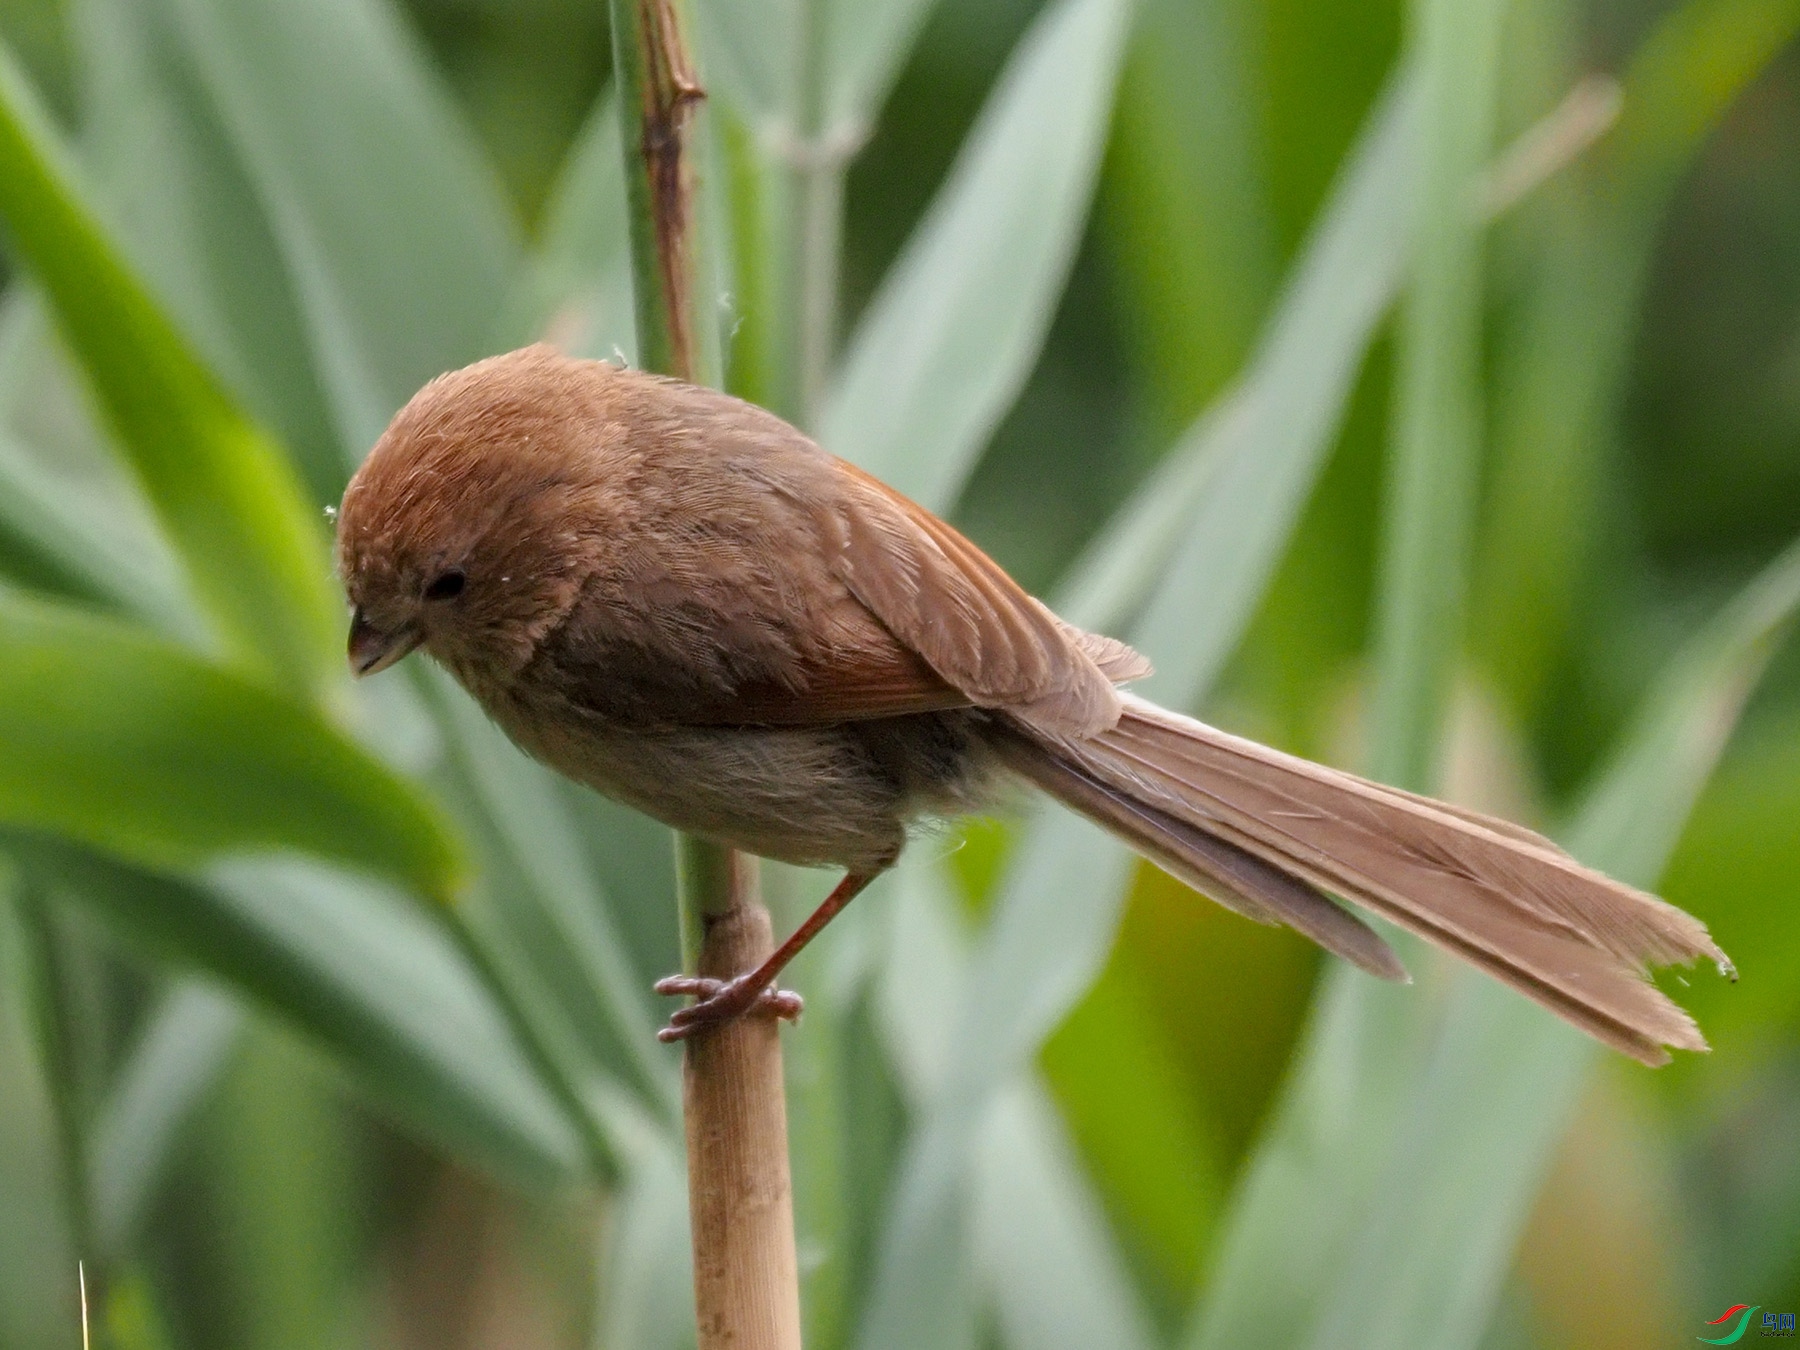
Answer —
721 1002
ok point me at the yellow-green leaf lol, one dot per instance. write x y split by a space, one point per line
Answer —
229 501
138 747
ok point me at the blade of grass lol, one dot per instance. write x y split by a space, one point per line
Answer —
1216 513
136 746
359 969
1034 1246
521 800
67 499
51 1008
644 1290
867 43
1057 908
1374 1040
393 227
575 287
1503 1075
1366 1059
762 54
228 500
37 1250
74 544
1186 203
948 340
1436 449
801 84
189 221
1562 372
925 1291
1051 1265
185 1044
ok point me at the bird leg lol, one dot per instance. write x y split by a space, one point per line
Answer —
722 1001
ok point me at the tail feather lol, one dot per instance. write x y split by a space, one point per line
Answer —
1501 897
1237 879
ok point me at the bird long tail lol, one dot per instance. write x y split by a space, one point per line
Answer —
1268 835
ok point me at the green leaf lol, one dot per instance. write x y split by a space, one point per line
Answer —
190 223
1185 561
1246 476
645 1294
752 53
575 288
74 519
38 1250
1435 455
1430 502
1034 1245
925 1287
87 545
364 972
228 500
950 337
1355 1123
559 912
867 42
394 230
1562 373
186 1043
1186 203
769 57
1430 1232
1053 1267
1054 915
134 745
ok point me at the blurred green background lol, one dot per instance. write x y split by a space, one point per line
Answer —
1153 299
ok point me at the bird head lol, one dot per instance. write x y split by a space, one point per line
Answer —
460 532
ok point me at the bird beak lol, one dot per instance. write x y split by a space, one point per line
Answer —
372 650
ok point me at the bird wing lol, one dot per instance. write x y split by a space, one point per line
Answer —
952 607
771 583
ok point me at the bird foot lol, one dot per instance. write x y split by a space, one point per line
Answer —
721 1002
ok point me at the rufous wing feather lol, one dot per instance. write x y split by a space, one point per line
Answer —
946 600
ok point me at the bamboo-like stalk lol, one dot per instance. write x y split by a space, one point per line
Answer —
740 1195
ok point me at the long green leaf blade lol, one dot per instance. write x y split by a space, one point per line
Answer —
189 221
575 287
361 970
1436 454
1053 1269
185 1045
1369 1058
1056 911
138 747
1503 1074
950 337
394 229
37 1244
768 55
228 500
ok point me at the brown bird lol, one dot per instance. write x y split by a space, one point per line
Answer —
677 599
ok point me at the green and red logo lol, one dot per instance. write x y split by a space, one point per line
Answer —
1743 1312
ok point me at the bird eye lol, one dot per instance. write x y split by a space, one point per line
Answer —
446 586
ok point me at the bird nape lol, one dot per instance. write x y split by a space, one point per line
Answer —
677 599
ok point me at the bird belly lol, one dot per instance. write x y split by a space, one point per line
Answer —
803 795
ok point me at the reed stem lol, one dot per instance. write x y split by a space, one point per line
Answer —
740 1195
